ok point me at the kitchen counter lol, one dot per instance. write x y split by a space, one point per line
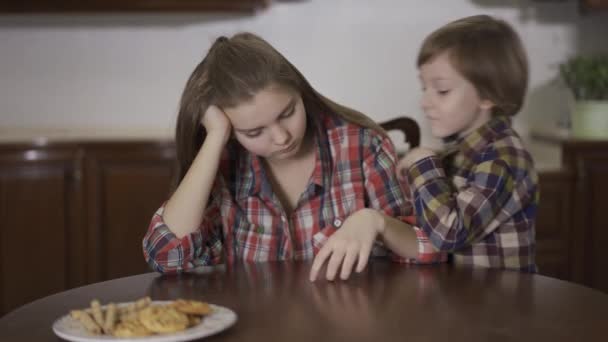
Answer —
544 147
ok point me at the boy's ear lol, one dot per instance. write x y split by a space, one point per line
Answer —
486 105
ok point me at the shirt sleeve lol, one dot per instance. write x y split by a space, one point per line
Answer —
453 219
165 253
385 194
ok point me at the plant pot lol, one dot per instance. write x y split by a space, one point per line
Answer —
590 119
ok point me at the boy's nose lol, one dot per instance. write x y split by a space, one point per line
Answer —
425 102
280 135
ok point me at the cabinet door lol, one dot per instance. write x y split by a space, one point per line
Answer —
41 231
553 224
596 171
126 183
590 161
594 4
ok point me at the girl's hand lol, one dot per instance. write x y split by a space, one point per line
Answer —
411 158
216 123
351 242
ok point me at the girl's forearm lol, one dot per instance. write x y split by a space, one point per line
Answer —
183 212
398 236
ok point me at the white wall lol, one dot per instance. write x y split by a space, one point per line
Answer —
129 70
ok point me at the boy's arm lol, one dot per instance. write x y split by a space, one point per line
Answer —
456 219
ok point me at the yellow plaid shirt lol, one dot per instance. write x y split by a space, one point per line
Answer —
479 203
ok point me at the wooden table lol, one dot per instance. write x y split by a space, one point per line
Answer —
387 302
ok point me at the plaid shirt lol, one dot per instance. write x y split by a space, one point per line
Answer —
480 202
354 169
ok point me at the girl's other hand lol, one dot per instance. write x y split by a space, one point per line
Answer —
349 244
216 123
411 158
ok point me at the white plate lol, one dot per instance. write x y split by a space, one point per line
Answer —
220 319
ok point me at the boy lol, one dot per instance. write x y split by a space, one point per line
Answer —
478 201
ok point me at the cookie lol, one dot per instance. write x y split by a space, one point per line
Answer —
163 319
192 307
194 320
131 328
85 319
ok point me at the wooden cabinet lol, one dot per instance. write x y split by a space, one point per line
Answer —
591 5
96 6
125 184
574 203
589 162
72 214
554 224
41 223
76 213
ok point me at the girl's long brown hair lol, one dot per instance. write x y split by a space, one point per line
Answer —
233 71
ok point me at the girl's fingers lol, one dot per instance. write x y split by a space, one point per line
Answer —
349 262
364 253
334 262
319 260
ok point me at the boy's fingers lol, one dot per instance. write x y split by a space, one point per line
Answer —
400 175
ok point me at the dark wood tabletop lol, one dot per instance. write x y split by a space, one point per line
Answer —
387 302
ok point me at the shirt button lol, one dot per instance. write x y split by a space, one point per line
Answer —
337 223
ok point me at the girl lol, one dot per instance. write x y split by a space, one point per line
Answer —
271 170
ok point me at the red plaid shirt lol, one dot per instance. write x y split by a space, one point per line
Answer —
354 169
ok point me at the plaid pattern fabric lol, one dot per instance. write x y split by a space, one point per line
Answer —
480 202
354 169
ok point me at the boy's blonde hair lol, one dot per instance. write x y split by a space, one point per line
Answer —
489 54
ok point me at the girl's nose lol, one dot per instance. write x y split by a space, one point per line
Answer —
280 135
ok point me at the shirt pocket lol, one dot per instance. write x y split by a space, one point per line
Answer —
255 243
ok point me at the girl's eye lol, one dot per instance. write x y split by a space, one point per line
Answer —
253 134
288 113
443 92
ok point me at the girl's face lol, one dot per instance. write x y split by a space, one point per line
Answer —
451 102
272 124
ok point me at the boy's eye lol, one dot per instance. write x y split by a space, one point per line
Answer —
443 92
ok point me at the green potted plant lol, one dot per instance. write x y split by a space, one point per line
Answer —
587 78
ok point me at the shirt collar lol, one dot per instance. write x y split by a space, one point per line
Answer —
323 162
250 172
477 140
252 180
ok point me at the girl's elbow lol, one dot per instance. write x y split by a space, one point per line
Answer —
162 268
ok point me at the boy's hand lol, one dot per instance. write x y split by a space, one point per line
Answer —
217 123
413 156
349 244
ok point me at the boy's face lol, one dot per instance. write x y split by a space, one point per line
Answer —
272 124
451 102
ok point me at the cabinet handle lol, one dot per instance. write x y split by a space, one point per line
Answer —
77 175
580 175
